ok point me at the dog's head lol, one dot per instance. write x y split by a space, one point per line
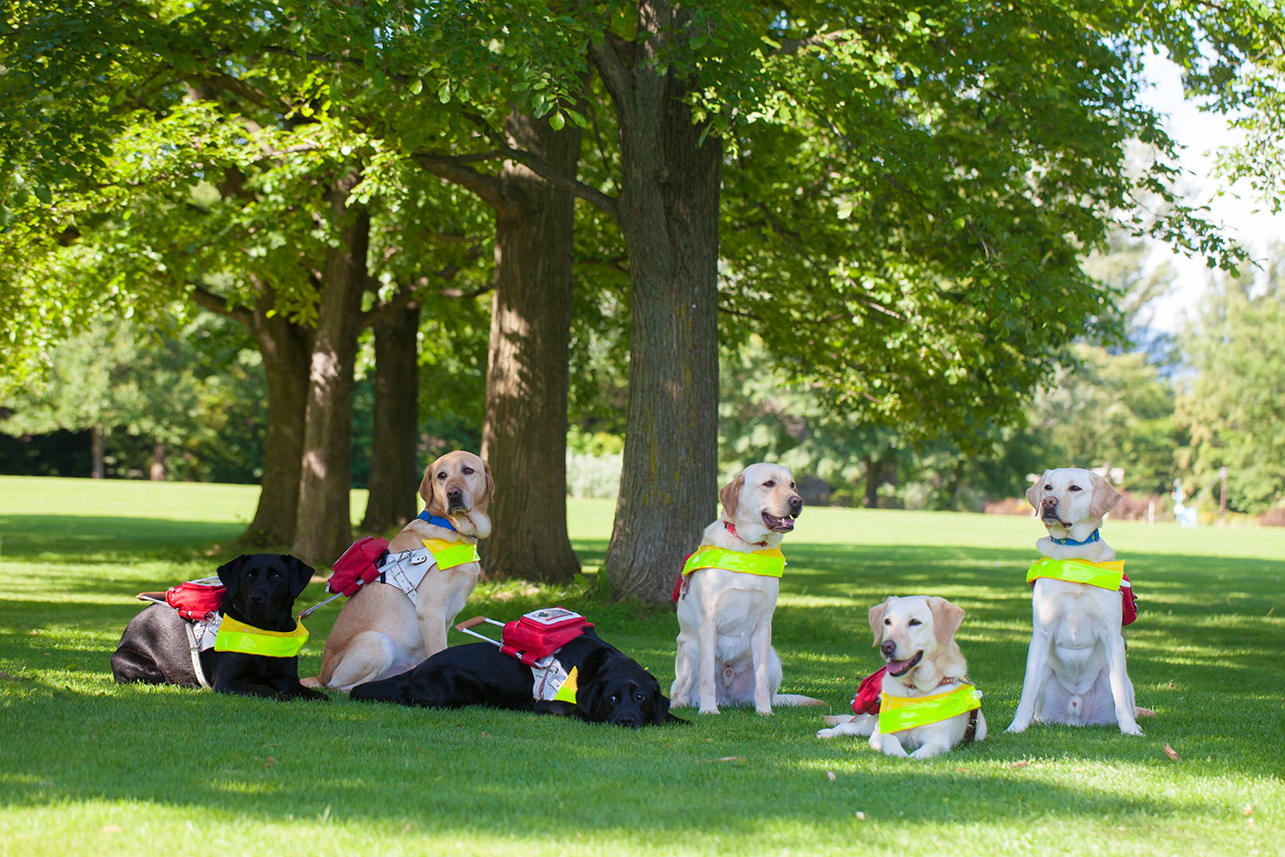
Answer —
616 689
761 502
261 588
458 486
912 632
1068 496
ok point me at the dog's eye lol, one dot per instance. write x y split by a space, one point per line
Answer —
442 475
1048 487
467 471
614 698
914 622
791 486
638 696
887 621
769 484
1074 488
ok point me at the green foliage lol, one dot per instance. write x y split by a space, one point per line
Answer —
1234 407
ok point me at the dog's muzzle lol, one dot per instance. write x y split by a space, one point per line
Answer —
899 668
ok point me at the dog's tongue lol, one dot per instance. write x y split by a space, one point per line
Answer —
898 667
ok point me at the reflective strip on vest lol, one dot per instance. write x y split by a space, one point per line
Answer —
769 562
898 713
1106 575
237 636
567 693
450 554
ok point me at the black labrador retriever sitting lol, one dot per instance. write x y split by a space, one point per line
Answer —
610 687
260 593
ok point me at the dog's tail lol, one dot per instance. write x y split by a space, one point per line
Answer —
794 699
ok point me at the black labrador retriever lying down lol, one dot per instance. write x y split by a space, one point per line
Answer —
609 687
259 597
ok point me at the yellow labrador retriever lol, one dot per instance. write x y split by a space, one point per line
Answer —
725 653
381 631
928 704
1075 666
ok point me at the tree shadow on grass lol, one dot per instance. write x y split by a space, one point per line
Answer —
502 773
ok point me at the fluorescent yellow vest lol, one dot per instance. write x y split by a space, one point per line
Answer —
769 562
899 713
567 693
237 636
450 554
1106 575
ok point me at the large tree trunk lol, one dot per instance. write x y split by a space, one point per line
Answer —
285 349
394 471
524 437
669 218
156 472
324 528
98 453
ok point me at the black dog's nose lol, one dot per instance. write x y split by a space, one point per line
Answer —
888 647
627 720
257 598
796 504
1049 502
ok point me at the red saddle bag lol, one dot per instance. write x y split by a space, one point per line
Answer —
541 633
194 600
359 565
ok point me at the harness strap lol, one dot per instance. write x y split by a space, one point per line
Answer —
970 732
194 646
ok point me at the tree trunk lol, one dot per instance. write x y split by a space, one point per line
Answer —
524 437
285 349
394 470
669 218
324 524
98 452
156 472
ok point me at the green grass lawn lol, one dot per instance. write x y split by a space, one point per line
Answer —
91 767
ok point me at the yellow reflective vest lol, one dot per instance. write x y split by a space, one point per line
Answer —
899 713
1106 575
769 562
237 636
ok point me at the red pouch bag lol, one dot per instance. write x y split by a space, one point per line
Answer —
194 599
359 564
541 633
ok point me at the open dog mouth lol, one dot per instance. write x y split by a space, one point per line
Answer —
896 668
1052 518
778 525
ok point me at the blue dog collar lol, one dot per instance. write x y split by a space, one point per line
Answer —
1072 542
444 523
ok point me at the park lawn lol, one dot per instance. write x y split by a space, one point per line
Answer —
91 767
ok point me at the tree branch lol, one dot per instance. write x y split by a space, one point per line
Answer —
219 304
486 187
615 76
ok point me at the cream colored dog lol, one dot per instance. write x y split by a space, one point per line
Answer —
380 632
725 653
1075 667
916 636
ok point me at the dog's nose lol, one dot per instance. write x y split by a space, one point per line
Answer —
888 647
454 493
257 598
1049 502
627 720
796 504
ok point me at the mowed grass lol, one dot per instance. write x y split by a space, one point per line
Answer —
89 766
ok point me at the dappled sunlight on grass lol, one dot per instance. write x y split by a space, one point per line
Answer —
347 777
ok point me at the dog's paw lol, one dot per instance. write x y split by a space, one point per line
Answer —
709 709
766 712
1131 729
1016 728
836 719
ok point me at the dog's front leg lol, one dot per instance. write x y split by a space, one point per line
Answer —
432 627
1121 686
887 744
929 749
706 667
761 652
684 674
1037 661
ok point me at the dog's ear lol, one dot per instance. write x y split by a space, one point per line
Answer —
434 502
730 493
300 574
230 575
425 485
589 684
1105 498
946 618
876 620
490 488
662 703
1035 493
